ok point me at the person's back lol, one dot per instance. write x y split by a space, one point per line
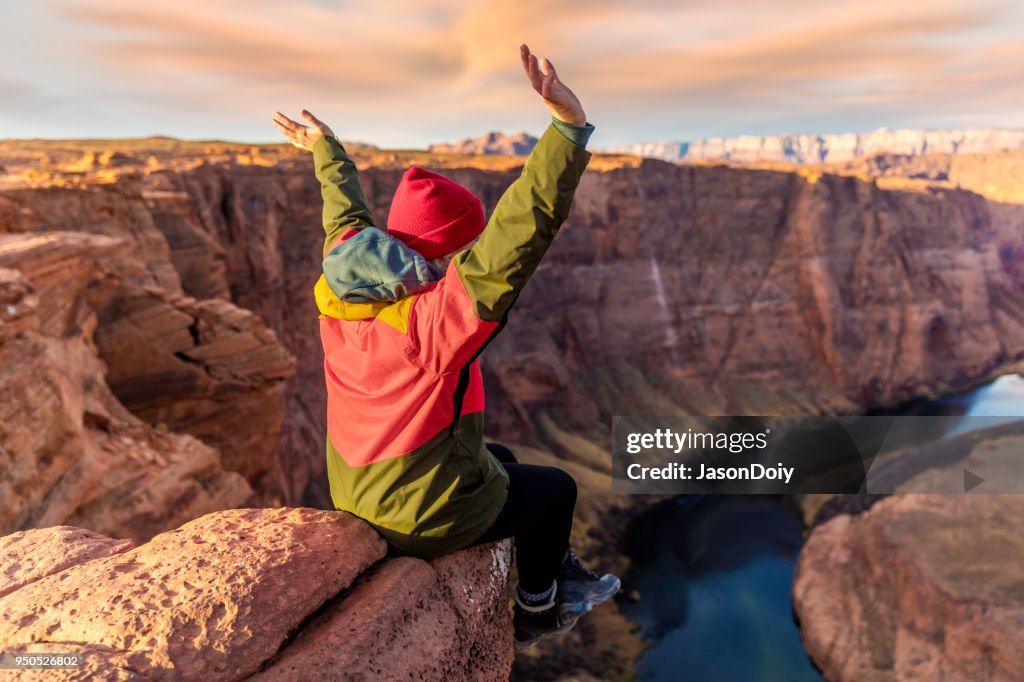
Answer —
397 378
402 326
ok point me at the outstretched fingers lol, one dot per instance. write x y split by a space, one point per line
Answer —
288 132
549 69
532 68
282 121
295 132
292 136
542 74
308 115
549 79
524 54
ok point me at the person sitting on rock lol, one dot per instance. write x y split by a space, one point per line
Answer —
404 315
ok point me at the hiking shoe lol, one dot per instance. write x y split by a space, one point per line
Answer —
532 626
580 589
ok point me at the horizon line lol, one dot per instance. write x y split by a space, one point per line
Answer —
176 138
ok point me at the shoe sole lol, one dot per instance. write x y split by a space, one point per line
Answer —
520 646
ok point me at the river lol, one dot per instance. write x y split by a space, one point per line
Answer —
712 574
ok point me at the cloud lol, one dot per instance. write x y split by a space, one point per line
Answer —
307 49
425 69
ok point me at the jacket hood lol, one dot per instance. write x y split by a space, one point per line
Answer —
369 271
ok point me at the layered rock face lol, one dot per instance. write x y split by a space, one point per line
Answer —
69 450
678 288
276 594
920 587
178 363
672 289
701 288
206 368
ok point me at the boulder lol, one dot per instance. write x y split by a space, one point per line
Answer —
289 593
34 554
919 587
445 620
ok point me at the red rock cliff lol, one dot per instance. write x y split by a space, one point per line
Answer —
683 288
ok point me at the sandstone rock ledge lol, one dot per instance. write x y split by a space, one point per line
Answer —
275 594
920 587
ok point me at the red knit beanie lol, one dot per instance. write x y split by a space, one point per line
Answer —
434 215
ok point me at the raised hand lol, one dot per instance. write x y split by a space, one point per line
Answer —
302 136
557 96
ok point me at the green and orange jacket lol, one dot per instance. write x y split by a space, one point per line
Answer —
401 337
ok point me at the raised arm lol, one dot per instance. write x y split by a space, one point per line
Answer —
524 222
345 204
530 212
453 322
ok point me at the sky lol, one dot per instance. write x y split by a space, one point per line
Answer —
407 73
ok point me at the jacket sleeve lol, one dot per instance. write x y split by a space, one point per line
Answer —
456 318
345 204
523 224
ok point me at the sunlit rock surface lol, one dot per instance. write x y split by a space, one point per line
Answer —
919 587
289 593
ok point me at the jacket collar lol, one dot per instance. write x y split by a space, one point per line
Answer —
332 306
368 272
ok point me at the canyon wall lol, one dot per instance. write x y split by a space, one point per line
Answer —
170 362
671 288
70 452
161 356
917 588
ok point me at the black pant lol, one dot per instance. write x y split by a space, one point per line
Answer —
538 514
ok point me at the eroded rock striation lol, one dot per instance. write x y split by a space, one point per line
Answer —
69 450
919 587
671 289
178 364
206 368
288 593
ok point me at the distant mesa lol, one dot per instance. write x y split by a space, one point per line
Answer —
816 149
801 149
493 143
